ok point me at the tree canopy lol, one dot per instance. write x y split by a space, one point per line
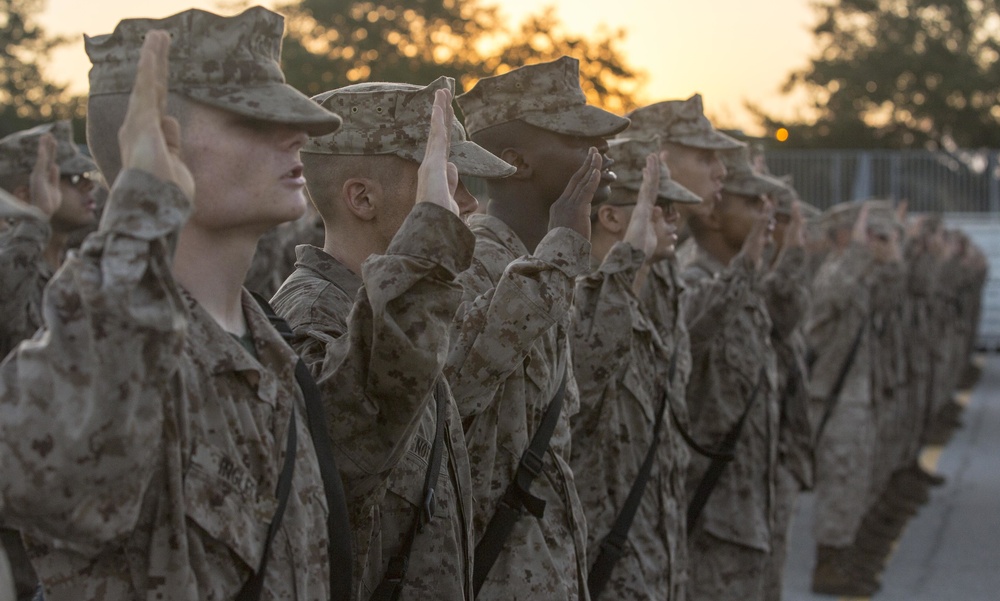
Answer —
333 43
26 97
900 74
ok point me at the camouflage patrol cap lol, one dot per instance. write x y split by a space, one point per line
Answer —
740 176
784 200
681 122
12 208
842 215
630 159
226 62
19 150
882 216
395 118
546 95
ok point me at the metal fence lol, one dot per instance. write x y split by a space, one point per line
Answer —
963 181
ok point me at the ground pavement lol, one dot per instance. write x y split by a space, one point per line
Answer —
951 550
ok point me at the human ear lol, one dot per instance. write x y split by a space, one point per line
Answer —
516 158
361 197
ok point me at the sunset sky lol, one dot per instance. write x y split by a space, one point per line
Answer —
731 51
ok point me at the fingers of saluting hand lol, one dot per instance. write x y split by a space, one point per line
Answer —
437 178
151 140
44 179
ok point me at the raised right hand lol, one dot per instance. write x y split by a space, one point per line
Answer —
572 208
150 139
640 233
43 183
437 178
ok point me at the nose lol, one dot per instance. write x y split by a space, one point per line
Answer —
467 203
719 169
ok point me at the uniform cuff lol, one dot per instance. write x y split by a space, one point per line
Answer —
145 207
434 233
566 250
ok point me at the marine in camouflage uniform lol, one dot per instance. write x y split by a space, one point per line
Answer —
386 312
684 316
509 350
622 370
163 434
786 291
841 308
33 248
731 541
275 259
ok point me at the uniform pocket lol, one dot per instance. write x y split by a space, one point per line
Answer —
220 496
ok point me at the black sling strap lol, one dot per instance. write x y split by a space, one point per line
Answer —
392 582
838 384
337 522
252 589
720 458
613 546
518 498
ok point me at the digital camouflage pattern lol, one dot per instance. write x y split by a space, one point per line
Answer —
841 302
678 121
622 367
727 366
19 150
231 63
509 350
546 95
629 158
168 463
25 274
662 300
722 570
742 179
395 118
376 345
786 292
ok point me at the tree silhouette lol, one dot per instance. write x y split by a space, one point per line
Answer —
333 43
26 97
901 73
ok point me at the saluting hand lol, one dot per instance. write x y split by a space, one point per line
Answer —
43 183
150 140
437 178
640 233
795 233
572 208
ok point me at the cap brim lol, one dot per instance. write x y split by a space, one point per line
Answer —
674 192
279 103
76 165
12 208
581 120
753 186
714 140
470 158
474 160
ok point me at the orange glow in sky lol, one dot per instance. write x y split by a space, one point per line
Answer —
731 51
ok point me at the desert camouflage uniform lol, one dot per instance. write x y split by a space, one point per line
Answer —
888 363
730 543
844 451
921 275
785 290
621 366
25 274
158 480
376 344
508 355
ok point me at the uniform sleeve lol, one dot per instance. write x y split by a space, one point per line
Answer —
383 366
602 318
81 408
501 317
21 255
710 302
840 304
786 292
